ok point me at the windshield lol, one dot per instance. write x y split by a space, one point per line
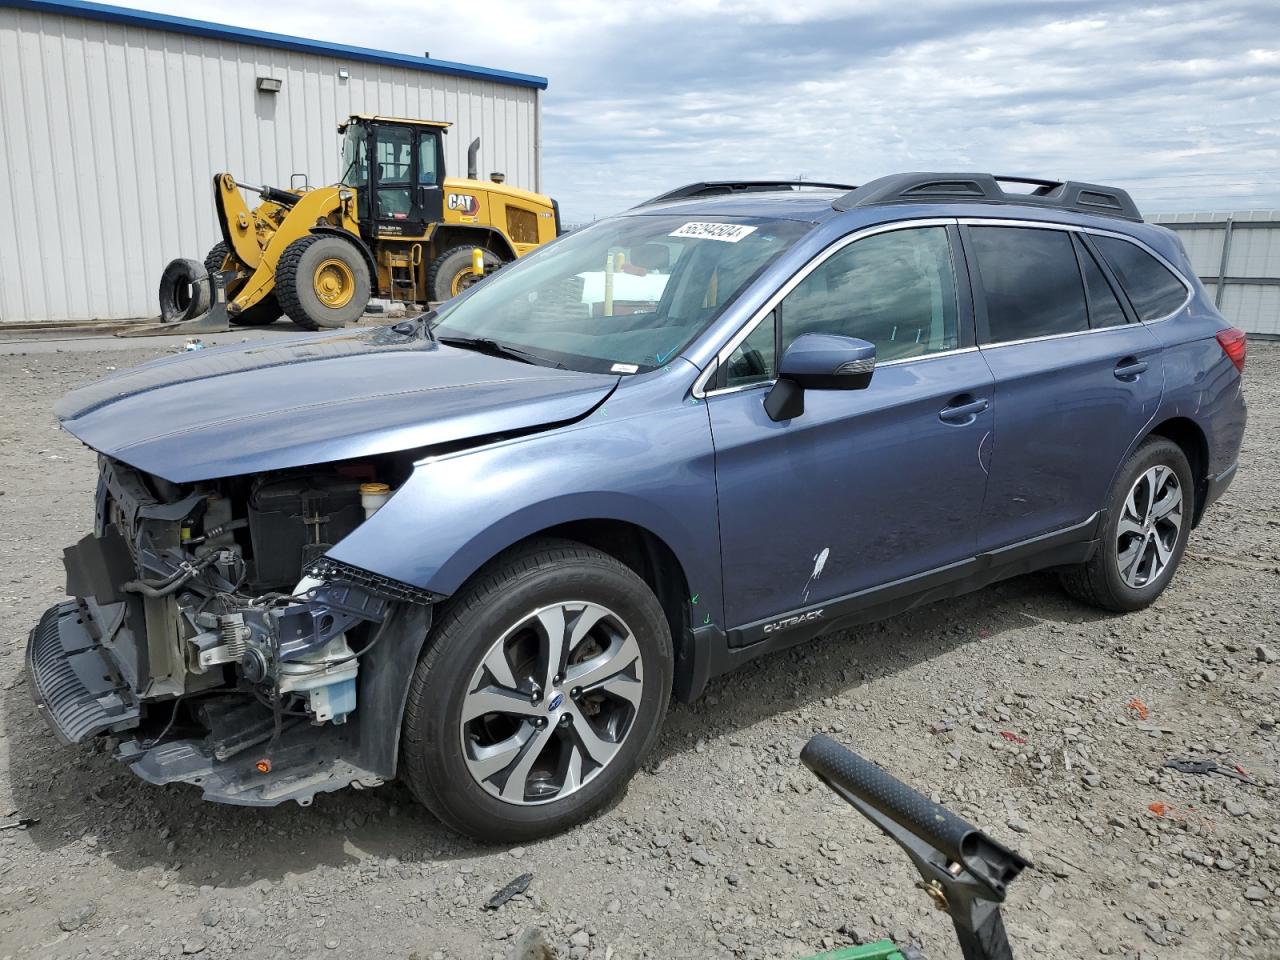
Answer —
355 156
622 295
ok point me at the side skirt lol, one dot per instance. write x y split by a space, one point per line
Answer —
707 652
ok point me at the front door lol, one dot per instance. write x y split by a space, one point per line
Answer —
407 175
866 486
1077 378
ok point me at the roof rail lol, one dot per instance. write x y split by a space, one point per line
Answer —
711 188
985 188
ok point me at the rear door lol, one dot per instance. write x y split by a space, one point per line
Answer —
1077 378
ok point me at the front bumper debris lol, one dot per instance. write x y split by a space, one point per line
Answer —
76 685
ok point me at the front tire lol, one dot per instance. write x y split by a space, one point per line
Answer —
322 282
542 689
1149 512
266 311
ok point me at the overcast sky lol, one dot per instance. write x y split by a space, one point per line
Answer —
1179 102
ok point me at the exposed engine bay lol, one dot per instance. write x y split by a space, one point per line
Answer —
212 634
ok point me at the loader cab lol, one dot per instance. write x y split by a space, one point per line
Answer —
397 170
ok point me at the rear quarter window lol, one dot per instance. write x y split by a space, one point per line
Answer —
1152 289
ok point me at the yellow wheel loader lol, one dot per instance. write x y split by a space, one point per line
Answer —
394 227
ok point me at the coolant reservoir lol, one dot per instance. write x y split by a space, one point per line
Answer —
373 496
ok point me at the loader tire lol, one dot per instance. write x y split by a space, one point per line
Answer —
265 311
184 291
216 257
322 282
450 273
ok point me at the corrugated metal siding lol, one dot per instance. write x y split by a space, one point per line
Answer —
1254 253
1204 247
1253 307
1249 294
112 135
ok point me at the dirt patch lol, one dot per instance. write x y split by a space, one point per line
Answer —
724 845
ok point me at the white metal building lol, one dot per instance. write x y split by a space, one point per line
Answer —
1237 257
114 122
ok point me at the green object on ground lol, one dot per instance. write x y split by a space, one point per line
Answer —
880 950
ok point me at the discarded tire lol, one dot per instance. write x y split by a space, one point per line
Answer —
184 291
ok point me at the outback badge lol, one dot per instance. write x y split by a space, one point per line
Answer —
788 622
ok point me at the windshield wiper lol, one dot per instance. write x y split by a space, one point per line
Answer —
497 349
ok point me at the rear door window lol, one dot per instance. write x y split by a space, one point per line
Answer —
1030 281
1104 307
1152 289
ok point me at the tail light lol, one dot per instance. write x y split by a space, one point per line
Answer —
1233 343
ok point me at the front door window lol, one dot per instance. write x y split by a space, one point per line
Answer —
896 290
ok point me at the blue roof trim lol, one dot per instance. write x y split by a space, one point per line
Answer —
218 31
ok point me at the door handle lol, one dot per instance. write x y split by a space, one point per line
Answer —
1129 368
963 410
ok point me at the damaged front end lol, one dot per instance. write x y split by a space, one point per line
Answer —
211 634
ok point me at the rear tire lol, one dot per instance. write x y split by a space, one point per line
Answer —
1148 521
265 311
450 273
475 718
322 282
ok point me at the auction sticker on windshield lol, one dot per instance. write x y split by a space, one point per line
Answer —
727 232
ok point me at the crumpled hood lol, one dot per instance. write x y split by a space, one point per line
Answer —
315 399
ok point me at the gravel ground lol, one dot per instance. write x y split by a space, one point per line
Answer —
1014 706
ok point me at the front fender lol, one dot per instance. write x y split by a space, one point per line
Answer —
456 512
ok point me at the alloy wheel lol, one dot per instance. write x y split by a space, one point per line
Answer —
1150 523
551 703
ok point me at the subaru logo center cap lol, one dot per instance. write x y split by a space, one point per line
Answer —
555 702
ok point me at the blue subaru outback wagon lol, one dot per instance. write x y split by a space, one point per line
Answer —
480 550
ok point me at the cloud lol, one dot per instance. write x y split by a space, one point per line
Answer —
1179 102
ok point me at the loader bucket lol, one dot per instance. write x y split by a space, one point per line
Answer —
191 301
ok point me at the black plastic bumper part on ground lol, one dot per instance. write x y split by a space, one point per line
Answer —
74 682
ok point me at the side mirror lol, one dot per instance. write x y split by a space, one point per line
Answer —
819 361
